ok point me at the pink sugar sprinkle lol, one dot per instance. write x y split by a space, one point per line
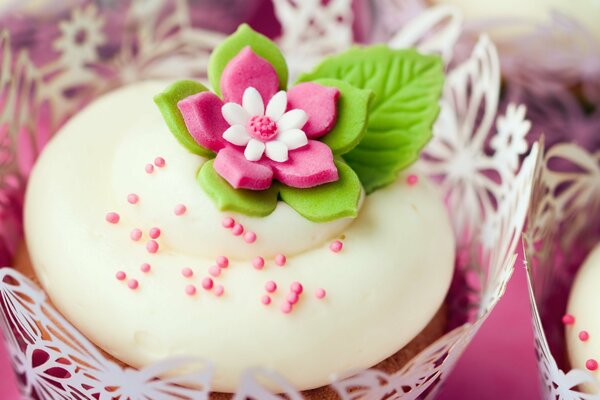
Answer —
155 233
258 262
266 299
133 284
219 290
190 290
133 198
145 268
159 162
336 246
280 260
207 283
296 287
568 319
121 275
187 272
320 293
237 229
591 364
112 217
286 308
412 180
214 270
222 261
292 298
152 246
584 335
270 286
228 222
180 209
149 168
250 237
136 234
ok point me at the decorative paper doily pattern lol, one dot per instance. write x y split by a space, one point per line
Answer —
474 157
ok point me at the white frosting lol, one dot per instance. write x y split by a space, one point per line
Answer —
382 289
584 305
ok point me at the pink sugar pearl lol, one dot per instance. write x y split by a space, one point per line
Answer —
280 260
320 293
258 262
250 237
266 300
133 284
222 261
591 364
145 268
568 319
583 336
270 286
228 222
286 308
133 198
187 272
136 234
336 246
293 298
207 283
237 229
296 287
152 246
159 162
121 275
155 233
219 290
412 180
112 218
190 290
149 168
214 270
180 209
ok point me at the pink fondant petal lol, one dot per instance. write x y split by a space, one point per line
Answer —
203 119
231 164
308 166
248 70
319 102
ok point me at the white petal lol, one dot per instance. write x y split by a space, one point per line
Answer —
277 151
293 119
234 114
253 102
293 138
236 134
277 105
254 150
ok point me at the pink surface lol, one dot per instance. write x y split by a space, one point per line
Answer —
499 364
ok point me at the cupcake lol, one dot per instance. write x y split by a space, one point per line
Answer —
250 224
582 322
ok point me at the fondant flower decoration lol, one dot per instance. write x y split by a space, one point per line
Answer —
256 144
347 127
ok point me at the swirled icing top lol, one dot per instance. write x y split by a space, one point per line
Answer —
360 288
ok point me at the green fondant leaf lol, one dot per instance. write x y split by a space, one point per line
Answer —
326 202
407 86
260 44
167 103
226 198
352 114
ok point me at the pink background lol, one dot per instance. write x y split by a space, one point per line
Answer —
499 363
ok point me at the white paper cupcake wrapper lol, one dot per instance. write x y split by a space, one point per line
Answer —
474 158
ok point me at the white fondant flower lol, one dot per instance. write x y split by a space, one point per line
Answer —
271 131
